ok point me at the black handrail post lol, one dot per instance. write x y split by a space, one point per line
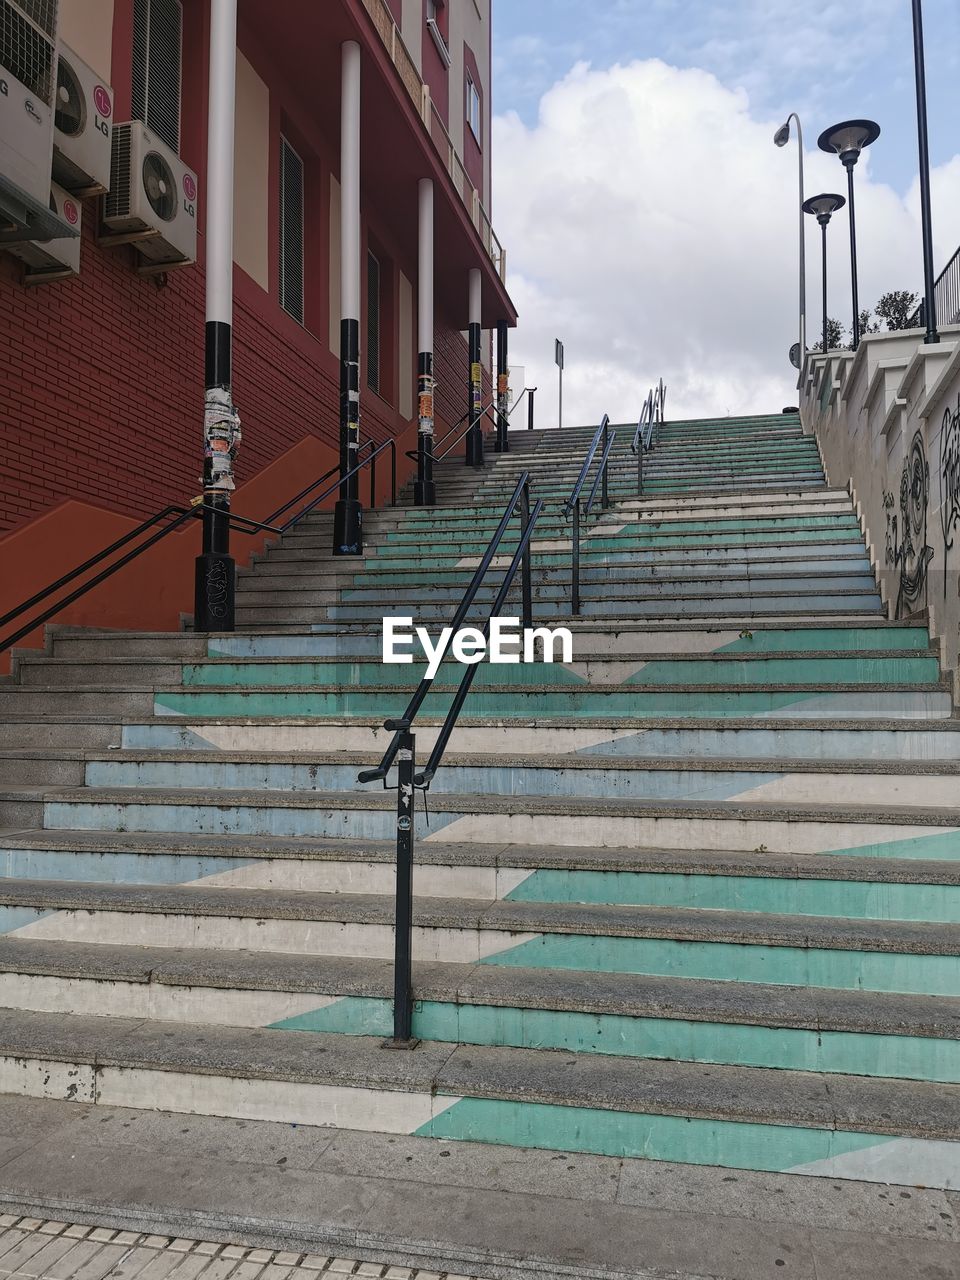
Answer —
525 568
373 481
474 448
605 499
403 964
393 473
531 392
575 582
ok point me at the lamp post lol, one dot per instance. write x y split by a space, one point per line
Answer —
824 207
847 140
781 138
930 302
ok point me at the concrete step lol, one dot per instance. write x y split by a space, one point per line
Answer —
679 823
802 949
732 1116
325 576
521 701
769 739
909 784
616 668
626 1015
889 880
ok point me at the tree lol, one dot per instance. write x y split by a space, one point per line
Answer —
897 308
834 336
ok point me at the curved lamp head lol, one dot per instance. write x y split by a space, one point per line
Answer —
823 207
848 139
782 136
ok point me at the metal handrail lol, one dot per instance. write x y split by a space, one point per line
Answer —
244 524
946 299
402 747
601 476
573 502
520 497
602 430
647 433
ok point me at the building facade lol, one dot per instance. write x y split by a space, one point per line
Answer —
102 382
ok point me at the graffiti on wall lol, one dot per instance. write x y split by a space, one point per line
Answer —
949 480
907 548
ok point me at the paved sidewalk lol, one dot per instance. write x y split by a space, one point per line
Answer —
31 1249
453 1209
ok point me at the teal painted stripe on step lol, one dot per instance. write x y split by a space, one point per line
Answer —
739 962
941 847
849 899
666 1039
813 670
684 1140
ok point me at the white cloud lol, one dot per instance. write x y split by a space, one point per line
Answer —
651 223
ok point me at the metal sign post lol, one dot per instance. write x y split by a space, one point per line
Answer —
558 357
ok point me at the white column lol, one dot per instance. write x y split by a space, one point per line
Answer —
425 288
348 513
424 489
221 114
350 183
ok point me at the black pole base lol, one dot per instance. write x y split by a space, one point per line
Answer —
424 493
474 447
348 528
214 606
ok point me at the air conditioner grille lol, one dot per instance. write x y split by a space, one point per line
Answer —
26 52
42 13
157 34
117 201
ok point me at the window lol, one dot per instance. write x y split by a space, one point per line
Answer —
291 231
437 12
437 26
373 322
474 111
157 40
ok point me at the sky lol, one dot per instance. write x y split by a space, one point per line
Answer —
650 222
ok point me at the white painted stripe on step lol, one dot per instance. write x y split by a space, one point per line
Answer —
289 1102
297 937
726 833
912 1162
359 877
29 1078
154 1001
517 740
856 788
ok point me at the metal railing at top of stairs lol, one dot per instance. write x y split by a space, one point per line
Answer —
647 434
173 517
402 748
462 428
572 504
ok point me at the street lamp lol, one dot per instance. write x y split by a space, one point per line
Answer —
847 140
930 302
824 207
781 138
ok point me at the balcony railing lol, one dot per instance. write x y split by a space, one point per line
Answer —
419 93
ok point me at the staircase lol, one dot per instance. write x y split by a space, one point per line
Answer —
695 897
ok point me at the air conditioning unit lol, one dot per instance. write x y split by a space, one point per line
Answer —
57 259
83 115
152 202
28 69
